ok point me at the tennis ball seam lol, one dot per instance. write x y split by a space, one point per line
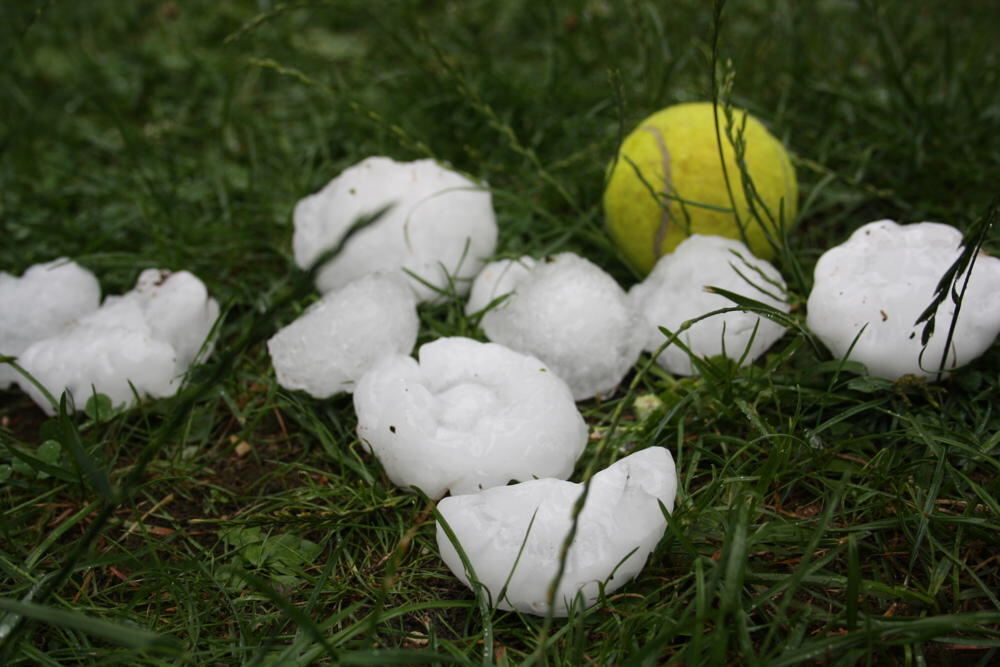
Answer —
665 218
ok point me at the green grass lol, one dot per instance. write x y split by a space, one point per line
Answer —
822 517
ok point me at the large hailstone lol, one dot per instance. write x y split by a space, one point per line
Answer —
468 416
497 279
620 525
573 316
327 349
440 227
144 339
675 292
874 286
41 303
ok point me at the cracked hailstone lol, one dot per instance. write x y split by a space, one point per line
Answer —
468 416
573 316
674 292
620 525
41 303
146 339
440 227
873 287
330 346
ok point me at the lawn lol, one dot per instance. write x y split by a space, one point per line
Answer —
822 516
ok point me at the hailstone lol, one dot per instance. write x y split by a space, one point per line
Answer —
675 292
869 292
513 535
330 346
438 230
137 344
573 316
466 417
42 303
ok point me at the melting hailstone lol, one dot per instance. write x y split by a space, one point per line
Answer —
327 349
467 416
43 302
436 230
674 292
573 316
512 535
140 343
869 292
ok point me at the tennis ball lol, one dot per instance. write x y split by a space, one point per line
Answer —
668 183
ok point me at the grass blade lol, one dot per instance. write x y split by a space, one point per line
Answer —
131 637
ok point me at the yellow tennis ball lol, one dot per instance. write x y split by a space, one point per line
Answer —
668 183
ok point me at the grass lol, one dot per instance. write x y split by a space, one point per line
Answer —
823 516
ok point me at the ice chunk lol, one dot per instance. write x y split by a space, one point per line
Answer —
573 316
177 307
329 348
144 339
41 303
869 292
441 226
468 416
497 279
94 357
621 523
675 292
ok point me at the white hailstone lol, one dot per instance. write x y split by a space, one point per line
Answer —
875 286
497 279
41 303
441 226
620 525
177 307
144 339
337 339
102 355
468 416
674 292
573 316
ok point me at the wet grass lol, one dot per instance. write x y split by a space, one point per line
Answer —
823 517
